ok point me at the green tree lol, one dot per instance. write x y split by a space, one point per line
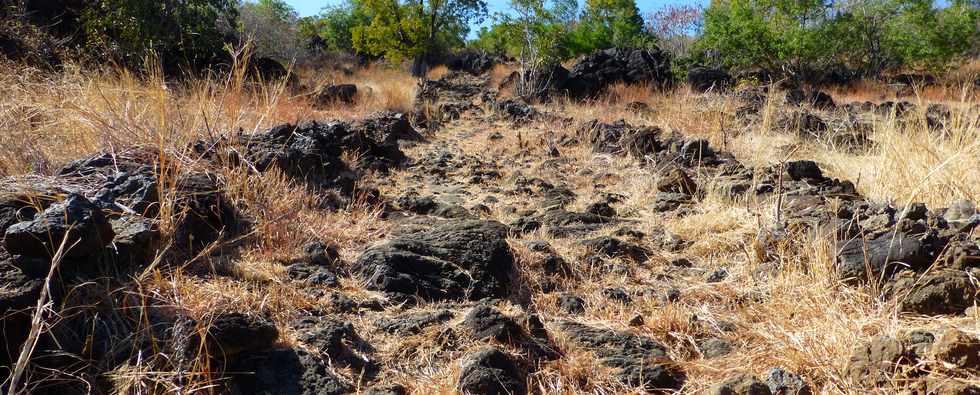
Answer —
330 31
178 31
607 24
778 35
416 29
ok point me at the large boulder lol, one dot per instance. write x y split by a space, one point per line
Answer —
594 73
457 260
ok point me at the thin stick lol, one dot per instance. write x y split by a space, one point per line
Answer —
38 320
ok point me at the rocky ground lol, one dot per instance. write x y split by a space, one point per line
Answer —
484 245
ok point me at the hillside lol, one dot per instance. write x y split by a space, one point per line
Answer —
618 234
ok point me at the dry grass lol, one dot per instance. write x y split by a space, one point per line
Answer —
802 319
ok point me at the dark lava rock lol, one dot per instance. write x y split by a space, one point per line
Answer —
613 247
641 361
590 76
562 223
15 209
743 384
415 322
676 181
703 79
285 371
602 209
18 296
642 142
331 94
491 371
321 254
311 152
782 382
876 361
958 352
76 221
136 242
207 216
669 201
515 110
617 294
571 304
717 276
429 206
338 340
455 260
881 255
945 291
715 347
817 99
486 322
475 62
312 274
804 170
235 333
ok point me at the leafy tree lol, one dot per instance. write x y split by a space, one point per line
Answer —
178 31
417 29
607 24
540 27
779 35
802 36
330 31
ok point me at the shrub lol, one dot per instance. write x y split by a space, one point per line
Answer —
178 31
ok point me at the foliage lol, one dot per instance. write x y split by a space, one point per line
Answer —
330 31
178 31
537 29
401 29
271 25
607 24
676 27
800 36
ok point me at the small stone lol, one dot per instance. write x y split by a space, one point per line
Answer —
717 276
571 304
715 347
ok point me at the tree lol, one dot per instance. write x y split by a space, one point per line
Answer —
178 31
330 31
676 27
790 36
417 29
271 25
608 24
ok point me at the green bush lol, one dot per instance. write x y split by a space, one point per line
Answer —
330 31
804 37
177 31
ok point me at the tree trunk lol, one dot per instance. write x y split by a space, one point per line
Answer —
420 65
